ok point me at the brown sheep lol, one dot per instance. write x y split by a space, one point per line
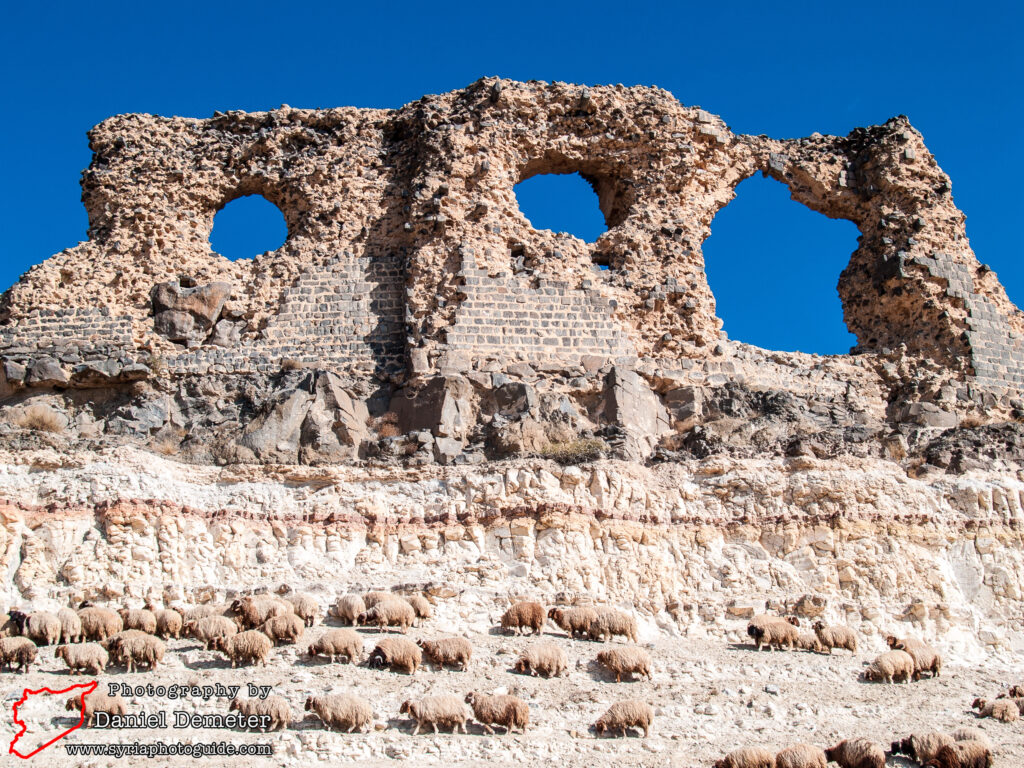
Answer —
276 707
1003 710
444 710
628 660
509 711
448 651
338 642
91 657
349 607
169 621
251 611
197 612
856 753
70 626
283 629
306 608
210 630
421 606
801 756
341 711
926 658
250 646
610 623
962 754
542 659
389 613
774 634
767 619
99 623
138 618
967 733
372 598
747 757
97 701
890 667
807 641
621 715
41 627
17 651
574 621
133 647
921 747
524 615
835 637
396 653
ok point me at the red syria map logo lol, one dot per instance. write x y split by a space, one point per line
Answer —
85 688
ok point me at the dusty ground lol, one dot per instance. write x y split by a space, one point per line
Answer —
709 696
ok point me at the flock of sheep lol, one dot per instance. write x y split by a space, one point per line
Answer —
247 629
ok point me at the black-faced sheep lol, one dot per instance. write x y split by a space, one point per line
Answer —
962 754
283 629
249 647
856 753
251 611
41 627
389 613
836 637
396 653
628 660
348 608
921 747
91 657
610 623
342 711
890 667
436 711
545 659
621 715
575 622
70 626
138 618
97 701
1003 710
774 634
448 651
524 615
99 623
509 711
801 756
306 608
338 642
747 757
17 652
276 707
133 647
210 630
421 607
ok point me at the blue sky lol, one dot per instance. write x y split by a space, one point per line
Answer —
782 69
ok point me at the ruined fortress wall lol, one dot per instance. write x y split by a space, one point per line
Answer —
405 241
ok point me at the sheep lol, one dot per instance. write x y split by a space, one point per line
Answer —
251 611
628 660
962 754
856 753
370 599
509 711
926 658
921 747
1013 692
574 621
92 657
610 623
138 618
807 641
70 626
283 629
543 659
338 642
396 653
967 733
42 627
621 715
169 623
276 707
801 756
422 608
835 637
747 757
197 612
99 623
348 608
890 667
306 608
772 634
523 615
209 629
7 627
341 711
250 646
389 613
766 619
1003 710
444 710
451 651
17 651
97 701
134 647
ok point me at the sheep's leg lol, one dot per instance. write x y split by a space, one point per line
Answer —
416 729
487 728
435 726
646 730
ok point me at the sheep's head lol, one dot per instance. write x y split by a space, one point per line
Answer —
793 620
19 618
85 604
377 659
978 704
891 640
422 643
522 665
818 625
234 706
405 708
73 703
470 698
309 703
555 613
60 651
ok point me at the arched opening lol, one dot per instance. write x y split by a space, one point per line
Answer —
562 202
248 226
773 265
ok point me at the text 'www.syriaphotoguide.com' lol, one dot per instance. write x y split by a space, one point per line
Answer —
170 749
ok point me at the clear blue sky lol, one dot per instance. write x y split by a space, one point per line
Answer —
783 69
